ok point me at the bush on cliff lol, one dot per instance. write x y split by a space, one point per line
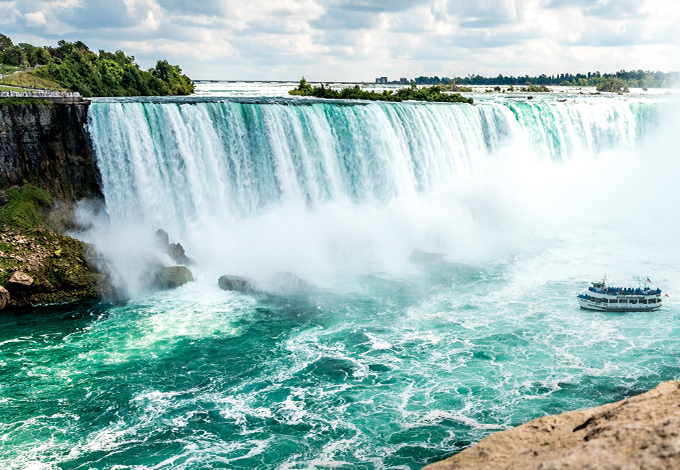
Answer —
432 94
25 208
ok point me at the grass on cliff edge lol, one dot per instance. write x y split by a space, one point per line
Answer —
26 208
30 80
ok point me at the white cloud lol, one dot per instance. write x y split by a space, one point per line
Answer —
36 18
361 39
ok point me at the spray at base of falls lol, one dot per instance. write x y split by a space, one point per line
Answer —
316 188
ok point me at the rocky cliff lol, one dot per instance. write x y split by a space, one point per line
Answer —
47 144
642 432
46 165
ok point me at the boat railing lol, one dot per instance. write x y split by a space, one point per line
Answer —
625 291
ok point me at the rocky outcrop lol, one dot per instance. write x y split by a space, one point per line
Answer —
19 281
642 432
48 145
236 283
162 238
423 257
174 250
4 298
287 283
170 277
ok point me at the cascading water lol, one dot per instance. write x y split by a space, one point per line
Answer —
180 164
376 363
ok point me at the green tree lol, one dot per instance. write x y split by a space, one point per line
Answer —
5 42
613 85
40 56
14 55
75 67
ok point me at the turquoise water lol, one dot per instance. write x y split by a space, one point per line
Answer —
377 363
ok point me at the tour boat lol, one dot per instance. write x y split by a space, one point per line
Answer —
602 297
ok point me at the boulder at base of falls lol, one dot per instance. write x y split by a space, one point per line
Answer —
176 252
635 433
236 283
4 298
19 282
423 257
170 277
287 283
162 238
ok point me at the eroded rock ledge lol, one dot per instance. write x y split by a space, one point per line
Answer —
641 432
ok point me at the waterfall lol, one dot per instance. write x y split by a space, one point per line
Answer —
182 163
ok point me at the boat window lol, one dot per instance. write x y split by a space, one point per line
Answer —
623 301
633 301
613 301
643 301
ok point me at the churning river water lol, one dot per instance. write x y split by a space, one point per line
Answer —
374 362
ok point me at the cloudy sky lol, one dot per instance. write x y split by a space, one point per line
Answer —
356 40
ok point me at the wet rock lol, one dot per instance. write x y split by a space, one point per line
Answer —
170 277
4 298
635 433
287 283
236 283
42 285
162 238
423 257
176 252
19 282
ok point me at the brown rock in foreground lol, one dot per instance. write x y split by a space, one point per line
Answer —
641 432
20 280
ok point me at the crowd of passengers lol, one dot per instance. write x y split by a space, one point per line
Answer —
625 291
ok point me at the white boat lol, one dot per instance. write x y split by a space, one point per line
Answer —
620 299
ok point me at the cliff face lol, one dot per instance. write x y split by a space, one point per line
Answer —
641 432
48 145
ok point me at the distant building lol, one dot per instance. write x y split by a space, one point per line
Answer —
381 80
403 80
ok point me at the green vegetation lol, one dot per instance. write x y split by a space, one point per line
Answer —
631 78
29 244
535 89
25 208
74 67
5 69
613 85
10 88
30 80
432 94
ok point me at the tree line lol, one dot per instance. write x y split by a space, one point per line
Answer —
75 67
633 79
